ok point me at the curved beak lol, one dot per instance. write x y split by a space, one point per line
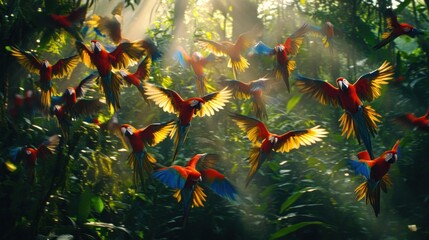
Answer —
342 86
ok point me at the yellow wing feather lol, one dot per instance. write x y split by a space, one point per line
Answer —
349 128
214 102
368 86
26 59
198 196
167 99
295 139
256 130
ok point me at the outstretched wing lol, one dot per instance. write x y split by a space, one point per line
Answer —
126 53
84 85
174 176
48 146
213 102
322 91
143 70
295 40
256 130
182 57
85 107
261 83
239 89
245 40
110 26
156 132
85 54
295 139
262 48
65 66
169 100
26 59
217 48
218 183
368 85
360 167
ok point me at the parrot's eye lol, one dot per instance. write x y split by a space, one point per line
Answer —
388 157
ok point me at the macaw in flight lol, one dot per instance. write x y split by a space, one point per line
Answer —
358 120
375 172
237 62
265 143
46 71
187 181
397 29
326 31
197 61
70 22
171 102
139 159
282 51
30 155
250 90
125 54
409 119
140 76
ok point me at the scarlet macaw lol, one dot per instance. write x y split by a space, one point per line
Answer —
282 52
358 120
186 180
265 142
397 29
251 90
139 159
411 120
46 71
327 34
375 172
197 61
70 22
139 77
170 101
30 155
237 62
124 54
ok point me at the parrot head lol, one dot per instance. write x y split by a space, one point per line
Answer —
273 139
196 104
45 63
70 91
392 155
197 56
30 155
123 73
127 130
342 83
96 46
279 48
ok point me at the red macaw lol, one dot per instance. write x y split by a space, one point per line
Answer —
327 34
46 71
140 160
70 22
124 54
197 61
358 120
290 47
375 172
139 77
251 90
186 180
109 25
411 120
30 155
170 101
237 62
265 142
397 29
71 94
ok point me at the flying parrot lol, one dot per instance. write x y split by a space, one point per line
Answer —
197 61
284 65
139 77
409 119
171 102
397 29
375 172
358 120
29 155
327 33
122 56
70 22
265 143
251 90
187 181
139 159
46 71
237 62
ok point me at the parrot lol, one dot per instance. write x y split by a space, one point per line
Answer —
187 181
358 120
397 29
139 77
375 172
45 70
265 142
327 33
197 61
291 46
411 120
70 22
171 102
139 159
29 155
71 94
122 56
251 90
244 41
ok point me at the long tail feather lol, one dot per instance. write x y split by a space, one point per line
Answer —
201 85
370 190
259 108
385 41
362 132
111 85
45 100
142 164
181 132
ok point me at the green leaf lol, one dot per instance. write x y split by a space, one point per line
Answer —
293 102
294 197
292 228
84 206
97 204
